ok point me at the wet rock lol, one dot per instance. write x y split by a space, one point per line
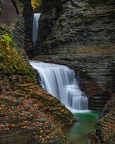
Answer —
80 34
105 125
29 119
26 113
81 23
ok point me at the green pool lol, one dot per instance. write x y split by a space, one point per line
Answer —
78 132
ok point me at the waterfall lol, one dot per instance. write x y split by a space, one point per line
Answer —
35 27
60 81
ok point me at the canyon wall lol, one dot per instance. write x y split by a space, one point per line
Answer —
81 34
76 33
28 114
81 23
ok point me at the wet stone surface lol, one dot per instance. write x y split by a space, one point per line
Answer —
25 120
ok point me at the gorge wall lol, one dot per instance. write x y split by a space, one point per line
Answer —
76 33
81 34
81 23
28 114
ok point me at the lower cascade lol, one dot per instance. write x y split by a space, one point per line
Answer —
60 81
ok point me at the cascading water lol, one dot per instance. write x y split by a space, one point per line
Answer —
35 27
60 81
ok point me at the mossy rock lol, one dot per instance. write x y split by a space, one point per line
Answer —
10 60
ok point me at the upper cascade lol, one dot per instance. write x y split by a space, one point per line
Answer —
60 81
35 27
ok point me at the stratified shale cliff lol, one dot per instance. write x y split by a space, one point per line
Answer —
81 23
28 114
81 34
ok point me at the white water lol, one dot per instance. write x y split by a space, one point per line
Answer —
60 81
35 27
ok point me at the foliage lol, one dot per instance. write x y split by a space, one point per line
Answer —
20 5
10 61
36 3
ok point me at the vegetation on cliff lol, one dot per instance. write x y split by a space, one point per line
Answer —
10 61
36 3
25 107
26 111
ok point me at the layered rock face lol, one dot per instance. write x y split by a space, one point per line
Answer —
28 23
105 127
7 15
81 23
11 18
80 34
28 114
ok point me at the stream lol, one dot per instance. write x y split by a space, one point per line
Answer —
86 123
60 81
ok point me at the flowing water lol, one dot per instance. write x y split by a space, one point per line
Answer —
60 81
78 133
36 17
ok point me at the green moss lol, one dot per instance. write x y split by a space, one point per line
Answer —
21 5
10 61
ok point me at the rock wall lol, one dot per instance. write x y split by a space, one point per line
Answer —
105 127
81 23
11 20
80 34
8 13
0 7
28 17
28 114
28 23
50 13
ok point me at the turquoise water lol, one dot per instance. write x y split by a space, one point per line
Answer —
78 132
